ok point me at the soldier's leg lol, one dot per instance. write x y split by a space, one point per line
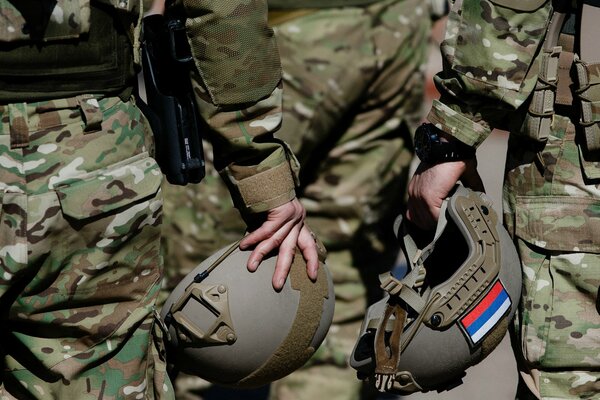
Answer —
80 258
560 324
198 221
323 93
552 210
356 166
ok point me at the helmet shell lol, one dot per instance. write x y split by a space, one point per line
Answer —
232 328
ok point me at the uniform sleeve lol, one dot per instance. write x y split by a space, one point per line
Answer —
491 55
238 92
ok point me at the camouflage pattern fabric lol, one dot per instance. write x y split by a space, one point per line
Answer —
234 48
79 252
353 88
81 209
551 206
553 213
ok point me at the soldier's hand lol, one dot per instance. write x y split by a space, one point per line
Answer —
431 184
283 227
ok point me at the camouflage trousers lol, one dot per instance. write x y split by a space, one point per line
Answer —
353 89
79 252
552 205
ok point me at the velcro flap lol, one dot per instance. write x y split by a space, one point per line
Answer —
261 192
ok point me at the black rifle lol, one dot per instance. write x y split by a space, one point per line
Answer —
167 63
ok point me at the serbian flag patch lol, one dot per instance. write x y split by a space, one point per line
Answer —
481 319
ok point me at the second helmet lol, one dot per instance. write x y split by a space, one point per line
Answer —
453 307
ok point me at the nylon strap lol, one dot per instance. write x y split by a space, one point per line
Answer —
564 96
387 353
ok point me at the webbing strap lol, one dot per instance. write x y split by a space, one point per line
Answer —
564 96
387 350
404 290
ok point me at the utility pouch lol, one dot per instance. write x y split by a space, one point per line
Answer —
588 96
538 119
173 115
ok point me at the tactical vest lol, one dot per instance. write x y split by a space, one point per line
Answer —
569 76
60 49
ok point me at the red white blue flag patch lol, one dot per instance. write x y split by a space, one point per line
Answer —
481 319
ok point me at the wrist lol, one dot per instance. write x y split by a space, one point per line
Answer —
432 146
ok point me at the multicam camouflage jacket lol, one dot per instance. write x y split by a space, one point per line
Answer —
492 55
238 85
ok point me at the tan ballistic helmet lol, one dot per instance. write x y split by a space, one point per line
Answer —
230 327
451 309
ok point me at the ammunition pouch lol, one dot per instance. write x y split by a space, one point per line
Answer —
588 94
538 119
99 61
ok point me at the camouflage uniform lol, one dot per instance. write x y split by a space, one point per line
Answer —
353 89
80 264
493 59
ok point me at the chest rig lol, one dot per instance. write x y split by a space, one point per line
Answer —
569 76
65 48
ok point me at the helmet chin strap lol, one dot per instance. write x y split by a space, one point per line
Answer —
387 351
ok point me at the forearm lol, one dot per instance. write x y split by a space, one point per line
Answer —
238 92
259 170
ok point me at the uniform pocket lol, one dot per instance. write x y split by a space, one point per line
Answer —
590 163
107 268
559 223
110 188
536 302
559 322
559 253
113 234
